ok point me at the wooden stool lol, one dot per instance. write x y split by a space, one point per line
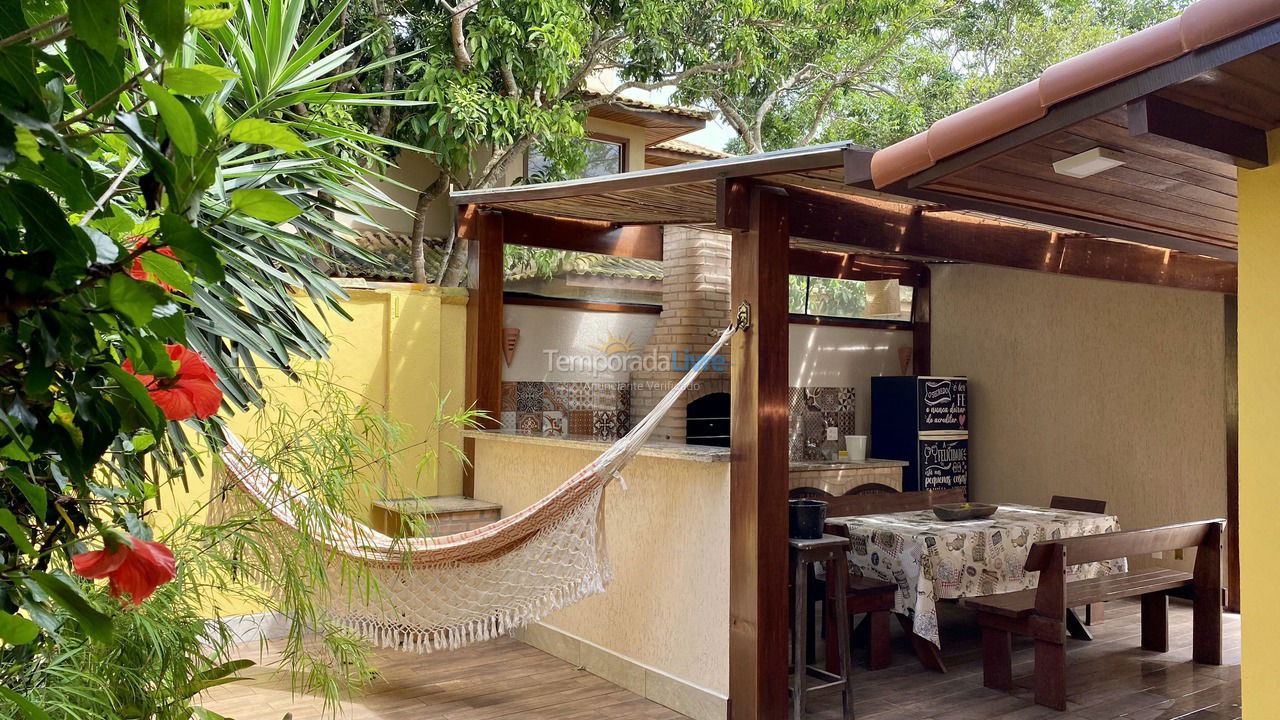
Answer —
831 550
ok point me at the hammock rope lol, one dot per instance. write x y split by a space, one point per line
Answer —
449 591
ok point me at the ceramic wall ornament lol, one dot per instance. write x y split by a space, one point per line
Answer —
510 337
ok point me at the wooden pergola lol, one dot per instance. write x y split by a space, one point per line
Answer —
1184 123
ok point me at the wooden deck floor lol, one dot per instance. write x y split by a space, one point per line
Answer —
1107 678
1111 677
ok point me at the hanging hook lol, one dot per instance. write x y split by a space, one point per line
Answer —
744 315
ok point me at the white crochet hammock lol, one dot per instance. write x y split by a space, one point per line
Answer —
453 590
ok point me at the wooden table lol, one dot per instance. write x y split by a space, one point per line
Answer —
931 560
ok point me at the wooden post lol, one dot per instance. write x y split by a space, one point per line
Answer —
758 460
484 326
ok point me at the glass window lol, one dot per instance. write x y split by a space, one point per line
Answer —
602 157
582 276
864 299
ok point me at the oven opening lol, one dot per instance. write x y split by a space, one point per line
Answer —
707 420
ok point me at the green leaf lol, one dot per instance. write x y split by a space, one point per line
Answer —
166 22
98 76
29 710
94 623
20 537
26 144
182 131
206 714
142 440
216 72
134 299
97 23
210 18
137 392
47 226
261 132
265 205
17 630
35 495
190 81
192 246
169 271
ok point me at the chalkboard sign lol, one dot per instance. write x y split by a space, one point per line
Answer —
944 404
943 464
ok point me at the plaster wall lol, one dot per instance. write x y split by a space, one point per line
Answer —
1089 388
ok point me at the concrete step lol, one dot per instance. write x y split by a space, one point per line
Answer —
441 514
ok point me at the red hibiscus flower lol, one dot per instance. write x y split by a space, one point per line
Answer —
137 272
132 566
193 389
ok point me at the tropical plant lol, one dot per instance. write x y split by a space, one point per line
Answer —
497 77
171 177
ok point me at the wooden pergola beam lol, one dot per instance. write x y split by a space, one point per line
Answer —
898 229
484 326
852 266
758 461
1200 132
556 233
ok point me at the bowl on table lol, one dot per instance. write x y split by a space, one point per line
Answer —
964 511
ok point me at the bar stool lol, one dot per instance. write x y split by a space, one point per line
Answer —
831 550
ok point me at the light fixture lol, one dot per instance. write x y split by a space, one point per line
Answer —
1089 162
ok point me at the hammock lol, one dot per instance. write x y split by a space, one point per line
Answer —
453 590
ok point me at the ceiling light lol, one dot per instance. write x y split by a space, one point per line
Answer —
1089 162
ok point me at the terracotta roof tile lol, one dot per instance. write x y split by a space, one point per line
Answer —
1203 23
687 148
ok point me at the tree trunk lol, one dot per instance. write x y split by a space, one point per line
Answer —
418 236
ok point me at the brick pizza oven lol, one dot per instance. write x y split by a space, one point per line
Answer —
695 308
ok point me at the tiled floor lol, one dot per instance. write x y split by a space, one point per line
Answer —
1111 677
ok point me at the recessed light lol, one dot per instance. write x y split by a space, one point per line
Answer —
1089 162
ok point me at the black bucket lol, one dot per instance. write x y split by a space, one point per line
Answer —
807 517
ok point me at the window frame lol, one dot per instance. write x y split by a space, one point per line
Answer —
624 150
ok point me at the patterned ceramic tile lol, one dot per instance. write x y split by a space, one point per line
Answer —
508 418
554 423
553 396
575 395
529 423
846 399
606 424
580 422
529 397
508 397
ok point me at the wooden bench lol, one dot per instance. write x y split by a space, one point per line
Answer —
1040 613
872 595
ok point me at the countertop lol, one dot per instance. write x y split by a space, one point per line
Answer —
674 451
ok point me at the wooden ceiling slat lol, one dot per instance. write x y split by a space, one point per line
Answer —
998 184
1037 161
1237 101
1198 185
1113 128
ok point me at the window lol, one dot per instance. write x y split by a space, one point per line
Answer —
863 299
582 276
602 156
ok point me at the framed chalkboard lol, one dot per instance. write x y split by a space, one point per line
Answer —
943 463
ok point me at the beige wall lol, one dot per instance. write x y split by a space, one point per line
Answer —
1089 388
668 539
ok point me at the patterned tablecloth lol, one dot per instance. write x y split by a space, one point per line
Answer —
930 559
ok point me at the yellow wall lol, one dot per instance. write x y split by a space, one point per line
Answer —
1259 324
1090 388
402 351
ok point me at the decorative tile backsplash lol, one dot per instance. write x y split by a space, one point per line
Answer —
598 410
812 410
603 411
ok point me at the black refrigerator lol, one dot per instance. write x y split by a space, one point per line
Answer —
923 420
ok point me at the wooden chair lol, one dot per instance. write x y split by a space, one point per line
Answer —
1066 502
1041 613
870 595
1093 614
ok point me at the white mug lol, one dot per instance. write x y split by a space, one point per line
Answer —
856 445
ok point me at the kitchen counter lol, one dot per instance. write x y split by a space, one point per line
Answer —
868 464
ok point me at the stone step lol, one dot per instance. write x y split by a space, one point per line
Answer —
441 514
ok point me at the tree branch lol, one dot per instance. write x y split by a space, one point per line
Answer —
458 16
